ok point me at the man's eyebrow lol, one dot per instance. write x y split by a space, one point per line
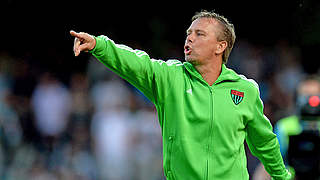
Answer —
200 30
196 30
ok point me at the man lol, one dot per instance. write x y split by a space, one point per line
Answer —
205 110
297 124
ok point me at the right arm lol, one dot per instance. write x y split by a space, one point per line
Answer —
150 76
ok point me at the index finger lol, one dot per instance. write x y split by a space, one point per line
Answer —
80 35
73 33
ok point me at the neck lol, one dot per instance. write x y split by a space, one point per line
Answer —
209 72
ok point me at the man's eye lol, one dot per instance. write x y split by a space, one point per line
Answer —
200 34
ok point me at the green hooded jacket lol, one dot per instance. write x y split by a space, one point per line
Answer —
203 127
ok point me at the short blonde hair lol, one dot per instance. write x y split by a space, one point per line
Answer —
228 33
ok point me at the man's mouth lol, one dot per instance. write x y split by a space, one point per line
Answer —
187 49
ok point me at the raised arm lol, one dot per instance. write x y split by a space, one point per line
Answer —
152 77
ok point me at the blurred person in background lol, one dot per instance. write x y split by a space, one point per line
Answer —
306 121
109 128
297 124
196 146
11 135
124 132
81 106
51 104
145 150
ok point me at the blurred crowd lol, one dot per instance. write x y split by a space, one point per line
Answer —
97 126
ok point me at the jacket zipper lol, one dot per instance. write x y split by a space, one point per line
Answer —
209 147
169 151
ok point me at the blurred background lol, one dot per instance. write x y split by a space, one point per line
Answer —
66 117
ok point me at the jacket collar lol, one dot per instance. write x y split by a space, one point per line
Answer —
226 73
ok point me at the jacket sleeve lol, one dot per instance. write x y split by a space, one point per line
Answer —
263 142
150 76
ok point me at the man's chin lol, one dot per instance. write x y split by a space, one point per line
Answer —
189 59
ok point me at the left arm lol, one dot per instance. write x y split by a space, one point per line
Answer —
263 142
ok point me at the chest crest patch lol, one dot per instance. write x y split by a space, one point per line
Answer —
237 96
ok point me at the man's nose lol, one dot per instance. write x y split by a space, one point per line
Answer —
190 38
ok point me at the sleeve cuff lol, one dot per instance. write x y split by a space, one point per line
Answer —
99 45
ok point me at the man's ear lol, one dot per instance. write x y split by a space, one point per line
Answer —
221 46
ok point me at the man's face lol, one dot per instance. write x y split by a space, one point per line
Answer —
309 88
201 41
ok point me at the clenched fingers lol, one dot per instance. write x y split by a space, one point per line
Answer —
76 46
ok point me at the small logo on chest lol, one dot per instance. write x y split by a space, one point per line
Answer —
236 96
189 91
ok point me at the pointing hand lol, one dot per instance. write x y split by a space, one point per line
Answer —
82 42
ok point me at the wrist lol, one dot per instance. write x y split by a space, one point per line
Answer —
100 45
93 44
